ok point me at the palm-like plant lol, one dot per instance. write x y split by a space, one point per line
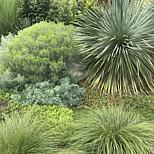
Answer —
117 44
25 135
113 131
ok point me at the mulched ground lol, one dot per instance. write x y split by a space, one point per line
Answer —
3 105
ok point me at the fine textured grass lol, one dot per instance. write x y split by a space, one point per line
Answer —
25 135
113 131
8 15
70 151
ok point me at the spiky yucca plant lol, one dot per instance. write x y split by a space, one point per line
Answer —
113 131
25 135
117 44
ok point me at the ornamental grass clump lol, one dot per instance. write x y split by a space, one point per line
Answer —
117 43
113 131
25 134
8 16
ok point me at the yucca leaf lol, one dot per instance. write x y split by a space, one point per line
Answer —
117 44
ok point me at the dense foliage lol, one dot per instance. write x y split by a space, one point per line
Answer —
64 94
57 119
89 123
4 41
113 131
43 110
50 113
18 14
40 52
116 42
66 11
10 82
34 10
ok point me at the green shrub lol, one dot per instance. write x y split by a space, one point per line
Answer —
64 94
113 131
4 41
34 10
61 11
40 52
51 113
66 11
24 135
117 47
69 94
9 82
